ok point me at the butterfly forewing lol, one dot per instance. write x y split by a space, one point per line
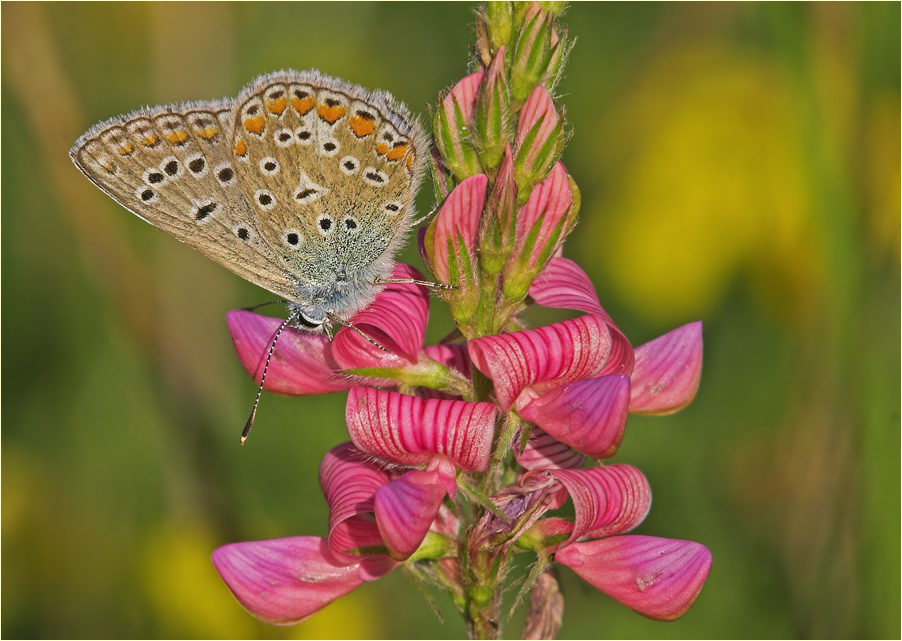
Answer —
171 166
303 184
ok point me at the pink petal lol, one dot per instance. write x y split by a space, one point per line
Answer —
405 508
564 285
458 219
396 320
301 364
349 484
544 452
284 581
466 91
588 415
668 370
551 198
608 499
539 105
542 358
658 578
410 431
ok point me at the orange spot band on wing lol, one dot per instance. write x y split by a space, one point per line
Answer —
256 124
207 133
149 140
302 105
126 149
361 126
397 152
240 147
381 149
330 114
177 136
277 106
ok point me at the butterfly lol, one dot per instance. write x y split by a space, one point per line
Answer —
303 184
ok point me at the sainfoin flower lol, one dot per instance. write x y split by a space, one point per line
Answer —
461 453
576 380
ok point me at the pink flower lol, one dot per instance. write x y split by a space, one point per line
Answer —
658 578
578 379
379 512
305 363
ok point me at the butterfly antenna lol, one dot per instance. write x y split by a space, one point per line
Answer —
272 346
272 302
350 325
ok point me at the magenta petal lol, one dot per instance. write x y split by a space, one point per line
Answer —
658 578
544 452
542 358
284 581
301 364
465 92
549 200
538 106
410 431
349 484
564 285
458 220
396 320
608 499
405 508
588 415
668 370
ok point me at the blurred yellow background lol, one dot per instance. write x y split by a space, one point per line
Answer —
739 164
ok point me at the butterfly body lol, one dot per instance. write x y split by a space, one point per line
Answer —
303 184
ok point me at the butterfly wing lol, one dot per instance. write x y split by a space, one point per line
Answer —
173 167
333 169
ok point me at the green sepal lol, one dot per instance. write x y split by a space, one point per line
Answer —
499 19
434 546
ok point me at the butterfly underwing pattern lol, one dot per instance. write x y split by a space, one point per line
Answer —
303 184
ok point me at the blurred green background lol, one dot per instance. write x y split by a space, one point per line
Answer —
739 164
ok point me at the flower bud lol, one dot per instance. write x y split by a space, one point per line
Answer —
497 233
539 142
542 224
534 48
492 122
453 123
